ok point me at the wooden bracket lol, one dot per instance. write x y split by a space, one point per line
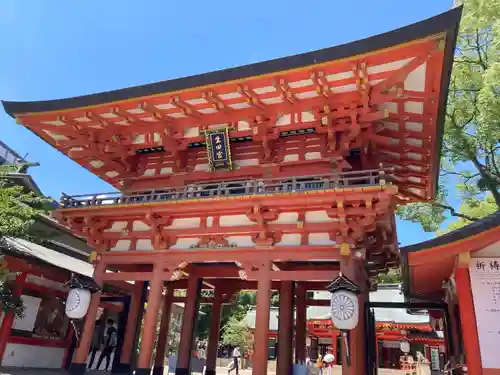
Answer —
463 259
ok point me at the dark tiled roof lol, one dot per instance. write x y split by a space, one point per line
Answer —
445 22
49 256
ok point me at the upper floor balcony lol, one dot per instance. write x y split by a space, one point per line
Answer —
365 178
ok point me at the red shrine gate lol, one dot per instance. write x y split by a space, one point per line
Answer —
276 175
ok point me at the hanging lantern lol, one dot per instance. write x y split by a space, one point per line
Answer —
405 346
344 308
77 303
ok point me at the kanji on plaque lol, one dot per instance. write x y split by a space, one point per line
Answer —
219 154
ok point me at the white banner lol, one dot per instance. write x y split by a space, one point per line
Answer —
485 283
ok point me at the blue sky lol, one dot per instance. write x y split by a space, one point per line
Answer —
57 49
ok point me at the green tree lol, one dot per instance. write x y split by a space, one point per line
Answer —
471 141
392 277
18 210
238 309
237 334
473 208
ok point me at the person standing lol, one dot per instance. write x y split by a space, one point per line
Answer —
236 354
110 342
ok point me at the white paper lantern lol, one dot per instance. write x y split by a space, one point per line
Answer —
405 346
344 309
77 303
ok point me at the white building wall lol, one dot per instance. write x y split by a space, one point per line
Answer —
20 355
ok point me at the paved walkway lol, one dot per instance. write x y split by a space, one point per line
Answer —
220 370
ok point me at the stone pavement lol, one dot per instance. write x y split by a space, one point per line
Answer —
220 370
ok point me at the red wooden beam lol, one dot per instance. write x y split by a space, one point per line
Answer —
124 286
243 254
298 275
127 276
21 265
44 290
111 306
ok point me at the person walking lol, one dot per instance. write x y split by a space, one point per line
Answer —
95 343
235 354
328 361
319 364
111 340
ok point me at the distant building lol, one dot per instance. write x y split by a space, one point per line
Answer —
9 156
44 337
392 325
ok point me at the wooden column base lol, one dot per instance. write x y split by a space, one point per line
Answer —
78 369
158 370
178 371
210 372
122 368
143 371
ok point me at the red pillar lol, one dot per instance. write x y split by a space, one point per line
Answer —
79 364
357 339
353 269
334 346
300 324
285 332
130 329
468 321
259 366
150 321
8 319
162 345
213 338
188 326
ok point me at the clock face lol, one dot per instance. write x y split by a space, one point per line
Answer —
342 306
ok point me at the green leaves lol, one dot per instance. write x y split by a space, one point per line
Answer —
474 207
18 210
430 216
9 301
471 139
236 334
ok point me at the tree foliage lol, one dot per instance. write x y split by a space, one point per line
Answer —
473 208
235 333
392 277
238 309
471 141
18 210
